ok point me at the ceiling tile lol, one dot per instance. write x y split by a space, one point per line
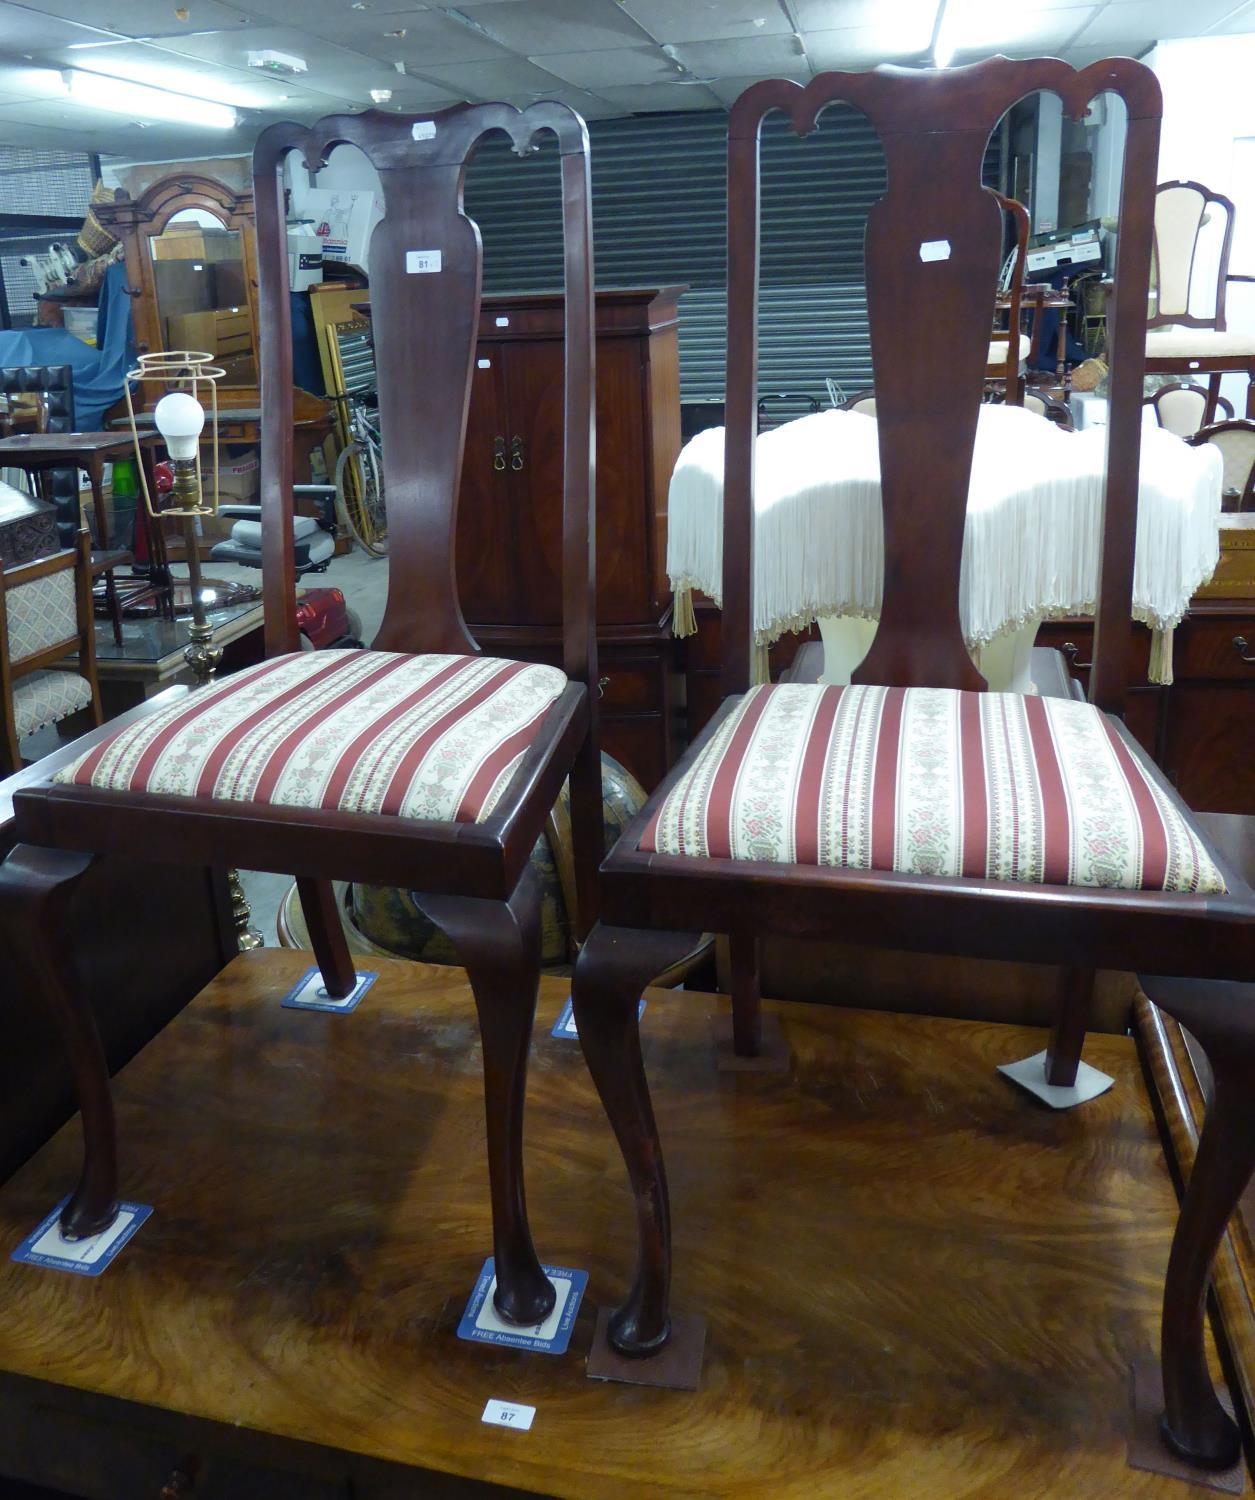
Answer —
559 25
143 62
618 66
1240 22
1139 22
854 47
429 38
27 31
751 57
133 18
708 20
514 81
836 15
334 71
647 98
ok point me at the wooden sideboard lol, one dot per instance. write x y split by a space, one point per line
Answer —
1201 729
510 504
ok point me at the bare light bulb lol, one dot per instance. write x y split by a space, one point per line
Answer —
180 418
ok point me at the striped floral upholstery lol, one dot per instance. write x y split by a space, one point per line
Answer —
430 737
931 781
42 698
41 613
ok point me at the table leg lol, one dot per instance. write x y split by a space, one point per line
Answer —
96 473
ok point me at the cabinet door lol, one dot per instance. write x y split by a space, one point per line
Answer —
533 377
534 390
487 547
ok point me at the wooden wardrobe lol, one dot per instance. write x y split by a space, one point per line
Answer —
509 510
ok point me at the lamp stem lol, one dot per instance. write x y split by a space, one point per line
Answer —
200 653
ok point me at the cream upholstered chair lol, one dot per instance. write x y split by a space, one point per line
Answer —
1050 407
45 615
1236 442
1180 341
861 401
1182 407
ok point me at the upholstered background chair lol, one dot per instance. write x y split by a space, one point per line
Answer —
1236 441
45 616
1180 340
1182 407
56 384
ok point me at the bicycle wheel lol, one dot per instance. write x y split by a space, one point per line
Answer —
374 513
359 498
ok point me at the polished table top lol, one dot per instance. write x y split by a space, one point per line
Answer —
60 446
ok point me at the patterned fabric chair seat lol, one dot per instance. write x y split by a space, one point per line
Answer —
426 737
933 782
42 698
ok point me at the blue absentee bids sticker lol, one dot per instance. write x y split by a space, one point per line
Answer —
481 1325
46 1246
309 993
565 1024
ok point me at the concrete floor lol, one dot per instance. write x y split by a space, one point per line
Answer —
364 582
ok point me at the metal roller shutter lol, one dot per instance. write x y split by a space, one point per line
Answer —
659 217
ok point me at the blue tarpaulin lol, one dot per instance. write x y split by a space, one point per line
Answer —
99 373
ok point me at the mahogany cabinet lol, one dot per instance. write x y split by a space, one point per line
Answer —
1201 729
509 542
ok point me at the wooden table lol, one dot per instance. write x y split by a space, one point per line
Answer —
149 657
38 452
1038 299
917 1280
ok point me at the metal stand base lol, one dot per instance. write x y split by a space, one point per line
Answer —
677 1366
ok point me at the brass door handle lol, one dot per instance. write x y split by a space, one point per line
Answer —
1071 650
516 454
1240 645
498 455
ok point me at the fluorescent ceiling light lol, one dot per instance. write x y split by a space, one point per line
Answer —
979 25
898 28
143 103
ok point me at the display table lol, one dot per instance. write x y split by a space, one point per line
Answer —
36 453
1030 548
149 658
917 1280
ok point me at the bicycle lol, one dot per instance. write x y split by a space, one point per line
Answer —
359 479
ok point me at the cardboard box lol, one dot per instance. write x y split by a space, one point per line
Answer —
1234 577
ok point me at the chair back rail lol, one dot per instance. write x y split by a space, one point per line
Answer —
1180 211
80 636
933 241
425 264
1018 215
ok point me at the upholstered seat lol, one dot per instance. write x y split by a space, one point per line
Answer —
428 736
998 350
1180 342
42 698
927 781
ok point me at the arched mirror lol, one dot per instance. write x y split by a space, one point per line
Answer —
201 291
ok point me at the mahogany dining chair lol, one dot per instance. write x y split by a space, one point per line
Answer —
915 810
418 762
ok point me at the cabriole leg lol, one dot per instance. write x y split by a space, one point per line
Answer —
1221 1016
36 887
499 945
614 966
326 936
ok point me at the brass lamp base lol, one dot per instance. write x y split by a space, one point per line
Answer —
246 935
